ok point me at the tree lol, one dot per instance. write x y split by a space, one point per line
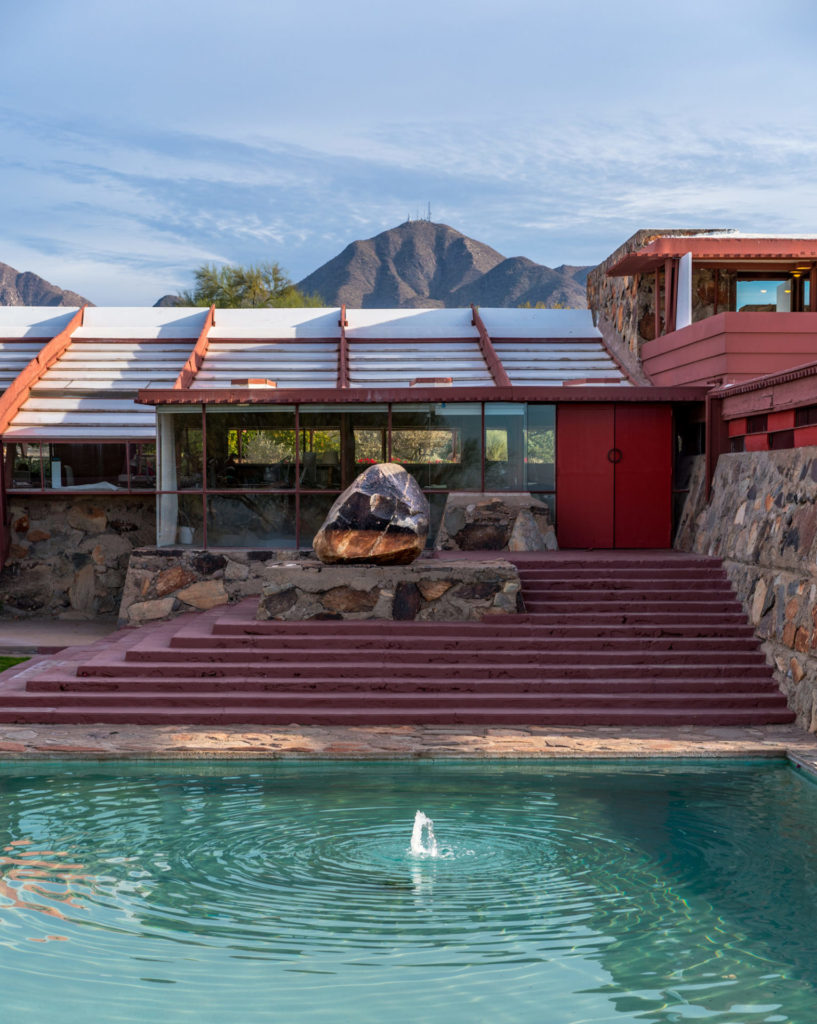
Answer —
232 286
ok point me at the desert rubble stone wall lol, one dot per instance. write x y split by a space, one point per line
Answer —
68 557
761 519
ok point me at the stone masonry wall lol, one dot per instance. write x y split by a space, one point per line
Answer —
624 307
761 520
69 557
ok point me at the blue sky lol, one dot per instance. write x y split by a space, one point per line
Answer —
138 140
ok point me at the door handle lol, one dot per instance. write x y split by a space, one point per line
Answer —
614 455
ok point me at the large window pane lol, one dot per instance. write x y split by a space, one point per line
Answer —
89 466
180 450
313 512
504 446
439 444
338 442
541 448
251 520
247 449
143 466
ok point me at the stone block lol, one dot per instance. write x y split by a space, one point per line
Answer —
205 594
172 579
147 611
89 519
513 521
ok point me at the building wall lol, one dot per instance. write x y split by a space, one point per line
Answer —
69 558
761 519
624 307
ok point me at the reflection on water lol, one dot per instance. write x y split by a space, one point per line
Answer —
649 894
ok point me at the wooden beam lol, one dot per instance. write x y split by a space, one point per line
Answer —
812 288
489 353
343 350
656 297
20 388
196 358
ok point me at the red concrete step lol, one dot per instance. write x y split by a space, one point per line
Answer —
606 603
382 679
746 667
253 715
398 699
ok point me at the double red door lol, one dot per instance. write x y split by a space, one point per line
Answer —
614 475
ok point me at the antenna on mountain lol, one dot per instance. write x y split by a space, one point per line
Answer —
429 211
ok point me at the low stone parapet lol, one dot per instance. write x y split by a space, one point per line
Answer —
495 521
165 582
427 590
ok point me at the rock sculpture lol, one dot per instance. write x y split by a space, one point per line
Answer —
381 519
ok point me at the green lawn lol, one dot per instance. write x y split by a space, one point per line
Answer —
7 660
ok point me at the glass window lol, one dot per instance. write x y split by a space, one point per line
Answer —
504 446
313 511
23 465
439 444
541 448
180 450
756 295
179 520
338 442
88 466
143 465
248 450
251 520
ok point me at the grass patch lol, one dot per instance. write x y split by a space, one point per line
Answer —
7 660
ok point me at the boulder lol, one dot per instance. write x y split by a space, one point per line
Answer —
381 519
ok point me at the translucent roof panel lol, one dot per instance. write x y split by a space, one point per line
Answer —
89 391
14 356
410 323
276 323
538 323
395 364
536 362
291 364
141 322
34 321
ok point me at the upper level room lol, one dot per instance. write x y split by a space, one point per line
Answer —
708 305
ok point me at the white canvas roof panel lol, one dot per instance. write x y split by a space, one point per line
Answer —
538 323
545 363
34 321
141 322
320 322
395 364
15 356
291 364
410 323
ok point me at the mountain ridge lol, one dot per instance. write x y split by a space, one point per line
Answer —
25 288
421 264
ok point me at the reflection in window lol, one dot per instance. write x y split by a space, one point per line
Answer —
440 445
249 450
769 295
23 462
541 448
504 446
251 520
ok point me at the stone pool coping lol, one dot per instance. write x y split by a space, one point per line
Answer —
144 742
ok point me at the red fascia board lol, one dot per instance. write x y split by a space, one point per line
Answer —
20 388
193 364
721 249
245 396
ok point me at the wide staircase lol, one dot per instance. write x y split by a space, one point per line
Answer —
606 639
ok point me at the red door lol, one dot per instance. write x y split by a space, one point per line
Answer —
614 476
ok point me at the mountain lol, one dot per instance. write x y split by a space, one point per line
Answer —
27 289
422 264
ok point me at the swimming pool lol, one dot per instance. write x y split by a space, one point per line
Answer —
242 892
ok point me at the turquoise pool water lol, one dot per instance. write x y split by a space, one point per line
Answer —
286 892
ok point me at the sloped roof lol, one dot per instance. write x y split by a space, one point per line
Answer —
90 387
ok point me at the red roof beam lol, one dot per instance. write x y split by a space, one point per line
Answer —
343 350
20 388
194 362
489 354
